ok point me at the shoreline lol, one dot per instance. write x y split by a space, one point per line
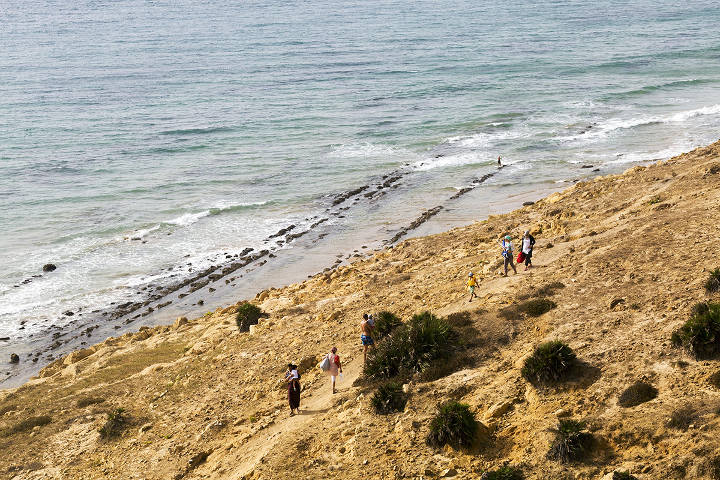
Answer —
217 286
201 387
244 275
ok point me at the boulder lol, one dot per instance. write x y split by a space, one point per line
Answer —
498 410
179 322
14 358
49 267
308 363
77 355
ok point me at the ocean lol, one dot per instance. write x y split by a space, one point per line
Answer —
147 142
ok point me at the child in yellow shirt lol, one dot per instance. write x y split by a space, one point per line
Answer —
472 283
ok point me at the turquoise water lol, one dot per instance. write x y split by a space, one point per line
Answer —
200 128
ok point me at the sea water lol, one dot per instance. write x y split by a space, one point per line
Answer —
140 140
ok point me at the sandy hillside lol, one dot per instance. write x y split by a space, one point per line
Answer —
203 400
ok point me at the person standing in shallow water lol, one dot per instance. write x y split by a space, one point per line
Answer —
335 366
507 253
528 242
292 377
367 328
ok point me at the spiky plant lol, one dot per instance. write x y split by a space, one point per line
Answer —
411 347
389 398
571 442
385 323
700 335
247 314
550 362
712 285
454 425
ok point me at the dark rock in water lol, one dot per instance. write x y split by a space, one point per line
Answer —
4 338
527 204
200 302
587 166
596 170
68 313
49 267
14 358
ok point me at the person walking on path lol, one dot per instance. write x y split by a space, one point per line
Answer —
292 377
335 366
367 327
528 242
507 253
472 283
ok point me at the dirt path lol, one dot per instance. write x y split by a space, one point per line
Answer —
313 407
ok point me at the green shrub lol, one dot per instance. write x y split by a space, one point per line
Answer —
84 402
248 314
503 473
623 476
712 284
571 442
536 306
27 424
454 425
389 398
699 308
700 335
550 362
682 418
412 347
637 393
114 424
385 323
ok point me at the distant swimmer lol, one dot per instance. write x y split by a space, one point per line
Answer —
499 162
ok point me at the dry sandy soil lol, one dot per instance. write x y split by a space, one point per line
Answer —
206 401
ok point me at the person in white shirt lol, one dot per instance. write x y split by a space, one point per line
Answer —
528 242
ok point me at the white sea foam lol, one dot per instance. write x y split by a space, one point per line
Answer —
607 127
362 150
665 153
469 158
225 205
188 218
143 232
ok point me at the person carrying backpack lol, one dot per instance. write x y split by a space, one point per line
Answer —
507 253
330 364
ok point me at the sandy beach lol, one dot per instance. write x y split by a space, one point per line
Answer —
203 400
